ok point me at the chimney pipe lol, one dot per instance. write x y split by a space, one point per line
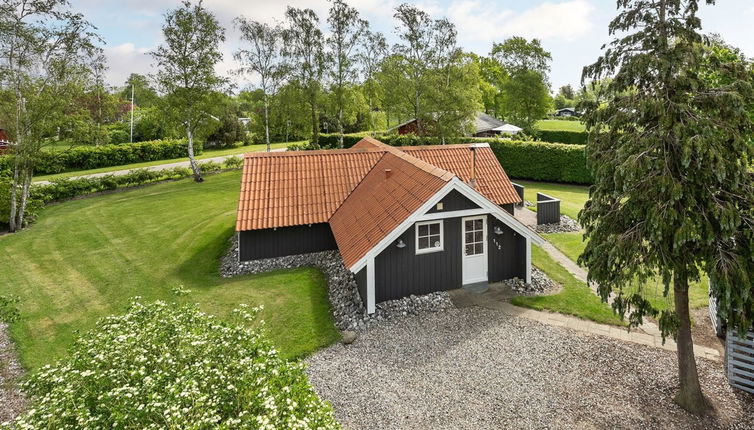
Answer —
388 173
472 180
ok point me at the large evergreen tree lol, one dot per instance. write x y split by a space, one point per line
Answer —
670 151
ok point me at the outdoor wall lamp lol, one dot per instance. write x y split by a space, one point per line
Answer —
401 244
498 231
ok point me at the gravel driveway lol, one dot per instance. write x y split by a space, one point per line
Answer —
475 368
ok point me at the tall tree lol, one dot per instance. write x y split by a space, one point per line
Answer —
670 151
518 54
45 53
372 52
186 64
144 95
304 45
425 45
346 30
263 57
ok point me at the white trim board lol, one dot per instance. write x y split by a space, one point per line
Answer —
419 215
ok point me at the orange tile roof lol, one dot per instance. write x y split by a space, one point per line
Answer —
393 190
280 189
306 187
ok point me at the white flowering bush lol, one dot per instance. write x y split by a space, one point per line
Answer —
172 366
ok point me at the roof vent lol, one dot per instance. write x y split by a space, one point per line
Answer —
388 173
472 179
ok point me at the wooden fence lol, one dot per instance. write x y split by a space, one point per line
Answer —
739 358
548 209
520 191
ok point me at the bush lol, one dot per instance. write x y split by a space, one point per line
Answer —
94 157
564 136
172 366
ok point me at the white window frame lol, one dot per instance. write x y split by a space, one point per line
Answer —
431 249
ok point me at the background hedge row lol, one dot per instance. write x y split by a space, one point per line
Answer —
538 161
94 157
552 136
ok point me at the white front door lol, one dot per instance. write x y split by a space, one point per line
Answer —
474 249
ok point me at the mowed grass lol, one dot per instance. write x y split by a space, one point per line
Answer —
87 258
560 124
572 197
572 246
210 153
574 299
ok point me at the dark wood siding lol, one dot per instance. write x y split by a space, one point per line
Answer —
361 283
454 201
399 272
548 209
300 239
509 208
507 252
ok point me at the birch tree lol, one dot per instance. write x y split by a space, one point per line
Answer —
45 52
372 52
264 57
186 63
304 46
346 30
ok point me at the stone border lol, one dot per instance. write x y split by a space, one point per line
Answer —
566 225
346 305
12 399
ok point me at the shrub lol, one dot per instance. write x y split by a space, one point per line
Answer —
94 157
564 136
233 163
172 366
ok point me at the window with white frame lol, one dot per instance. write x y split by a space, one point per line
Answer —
428 236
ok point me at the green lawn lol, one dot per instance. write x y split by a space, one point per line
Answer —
572 246
206 154
575 299
572 197
87 258
560 124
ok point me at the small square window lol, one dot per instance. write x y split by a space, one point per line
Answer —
429 237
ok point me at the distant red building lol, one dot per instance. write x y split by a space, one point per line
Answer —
4 142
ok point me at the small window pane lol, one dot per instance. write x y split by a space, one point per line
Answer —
469 237
434 229
423 243
423 230
469 225
436 243
479 248
477 224
478 236
469 249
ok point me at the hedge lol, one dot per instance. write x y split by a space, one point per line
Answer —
94 157
567 137
539 161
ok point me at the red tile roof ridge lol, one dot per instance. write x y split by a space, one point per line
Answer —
312 152
441 147
427 167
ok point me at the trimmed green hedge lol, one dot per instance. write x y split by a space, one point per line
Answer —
538 161
564 136
95 157
550 162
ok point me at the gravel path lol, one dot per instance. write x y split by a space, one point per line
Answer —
12 401
475 368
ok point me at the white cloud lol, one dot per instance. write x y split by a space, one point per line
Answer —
479 21
125 59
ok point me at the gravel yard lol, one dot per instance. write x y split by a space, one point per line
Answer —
12 401
475 368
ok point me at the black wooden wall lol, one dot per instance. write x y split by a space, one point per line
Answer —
454 201
506 257
300 239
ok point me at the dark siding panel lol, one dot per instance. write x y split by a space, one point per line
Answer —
507 252
509 208
361 283
400 272
454 201
300 239
548 209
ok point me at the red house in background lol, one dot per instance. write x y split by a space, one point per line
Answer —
4 142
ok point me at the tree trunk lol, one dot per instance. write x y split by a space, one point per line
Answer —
689 396
192 160
315 125
24 196
267 122
14 196
340 127
416 114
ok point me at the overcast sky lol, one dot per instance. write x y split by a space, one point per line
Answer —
572 30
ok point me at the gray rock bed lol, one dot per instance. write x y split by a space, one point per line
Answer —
540 284
347 307
12 400
566 225
480 369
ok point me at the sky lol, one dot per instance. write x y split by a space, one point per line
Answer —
572 30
